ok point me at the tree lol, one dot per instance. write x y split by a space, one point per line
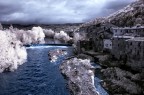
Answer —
1 27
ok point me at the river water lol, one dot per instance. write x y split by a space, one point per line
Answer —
38 76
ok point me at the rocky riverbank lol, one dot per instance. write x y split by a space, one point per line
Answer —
120 78
118 81
80 76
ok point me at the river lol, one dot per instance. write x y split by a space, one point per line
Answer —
38 76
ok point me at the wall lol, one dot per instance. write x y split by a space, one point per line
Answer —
135 50
135 55
84 46
118 47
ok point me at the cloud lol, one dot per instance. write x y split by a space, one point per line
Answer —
56 11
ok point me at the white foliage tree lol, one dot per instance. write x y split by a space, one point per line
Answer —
35 35
62 36
1 27
78 37
12 53
49 33
39 33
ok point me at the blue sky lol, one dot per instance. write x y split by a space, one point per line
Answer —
57 11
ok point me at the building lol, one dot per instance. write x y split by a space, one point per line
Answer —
107 44
98 34
120 39
135 48
134 30
119 46
135 53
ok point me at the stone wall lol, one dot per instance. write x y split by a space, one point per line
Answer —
135 49
84 45
118 47
98 45
135 52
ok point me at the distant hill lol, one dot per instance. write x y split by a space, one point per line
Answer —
55 27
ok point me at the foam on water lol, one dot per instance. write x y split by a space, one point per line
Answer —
42 47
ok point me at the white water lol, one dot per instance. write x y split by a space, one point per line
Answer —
42 47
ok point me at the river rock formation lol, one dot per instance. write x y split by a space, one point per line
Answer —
80 76
54 54
121 79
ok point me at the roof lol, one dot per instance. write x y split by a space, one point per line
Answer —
136 39
128 28
124 37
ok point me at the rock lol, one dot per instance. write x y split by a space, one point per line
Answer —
135 65
84 56
80 76
119 81
103 58
54 54
136 77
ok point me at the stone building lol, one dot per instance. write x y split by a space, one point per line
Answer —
135 53
135 48
119 45
134 30
98 33
91 32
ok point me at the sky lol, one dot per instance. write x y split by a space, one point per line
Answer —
57 11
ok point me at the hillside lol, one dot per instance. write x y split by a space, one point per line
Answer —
130 15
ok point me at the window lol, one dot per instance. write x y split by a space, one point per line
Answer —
139 44
130 43
138 53
130 51
106 45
